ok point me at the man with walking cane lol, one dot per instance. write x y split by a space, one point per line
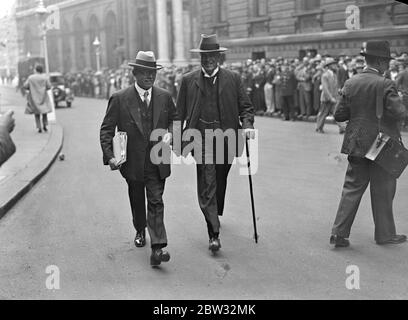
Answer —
214 99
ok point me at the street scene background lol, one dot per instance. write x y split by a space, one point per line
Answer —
77 216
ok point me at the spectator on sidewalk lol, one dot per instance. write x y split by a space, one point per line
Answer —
7 147
304 75
38 101
288 90
329 94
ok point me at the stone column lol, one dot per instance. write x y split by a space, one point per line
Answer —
162 39
60 53
87 49
178 32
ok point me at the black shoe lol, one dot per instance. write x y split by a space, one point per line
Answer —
339 242
158 256
214 245
398 238
39 130
45 129
140 239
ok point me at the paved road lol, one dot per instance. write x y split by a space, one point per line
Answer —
78 218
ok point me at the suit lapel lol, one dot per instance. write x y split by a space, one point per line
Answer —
222 81
199 81
157 106
133 101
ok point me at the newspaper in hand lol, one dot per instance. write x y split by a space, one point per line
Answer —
119 143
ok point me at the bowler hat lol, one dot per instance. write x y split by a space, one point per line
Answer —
377 48
145 59
209 43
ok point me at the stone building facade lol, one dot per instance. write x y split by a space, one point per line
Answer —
122 26
272 28
249 28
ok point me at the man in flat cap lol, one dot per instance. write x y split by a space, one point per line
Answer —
209 99
138 110
357 105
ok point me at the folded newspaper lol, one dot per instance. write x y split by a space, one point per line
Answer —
377 146
119 143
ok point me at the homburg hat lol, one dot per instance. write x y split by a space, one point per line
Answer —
147 60
209 43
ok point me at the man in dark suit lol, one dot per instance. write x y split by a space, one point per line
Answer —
209 99
288 85
7 146
139 110
358 106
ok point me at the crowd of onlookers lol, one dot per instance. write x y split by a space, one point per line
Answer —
290 88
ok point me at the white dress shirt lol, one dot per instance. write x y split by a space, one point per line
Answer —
141 93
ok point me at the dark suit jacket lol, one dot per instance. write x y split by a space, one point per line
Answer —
7 146
235 108
123 113
358 105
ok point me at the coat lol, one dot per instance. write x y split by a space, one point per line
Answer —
235 108
7 146
329 86
38 101
123 113
357 105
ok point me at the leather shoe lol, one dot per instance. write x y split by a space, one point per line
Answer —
398 238
215 244
158 256
140 239
339 242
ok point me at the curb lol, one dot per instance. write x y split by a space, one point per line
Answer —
11 192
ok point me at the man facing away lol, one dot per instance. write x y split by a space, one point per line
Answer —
358 106
209 99
138 110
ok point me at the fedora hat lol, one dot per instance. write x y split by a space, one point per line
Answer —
209 43
329 61
377 48
146 59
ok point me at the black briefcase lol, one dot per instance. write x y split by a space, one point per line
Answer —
393 156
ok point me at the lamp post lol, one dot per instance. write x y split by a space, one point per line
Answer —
97 45
42 13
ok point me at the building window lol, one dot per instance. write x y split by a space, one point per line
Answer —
309 16
258 22
220 17
259 8
220 11
310 4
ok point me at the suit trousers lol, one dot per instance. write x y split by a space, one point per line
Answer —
212 184
325 108
360 173
305 101
288 108
151 188
268 89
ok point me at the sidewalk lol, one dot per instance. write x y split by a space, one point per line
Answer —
34 155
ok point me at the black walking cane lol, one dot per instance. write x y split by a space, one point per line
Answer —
250 188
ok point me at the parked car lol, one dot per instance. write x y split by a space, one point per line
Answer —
60 91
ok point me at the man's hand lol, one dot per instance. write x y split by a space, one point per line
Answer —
167 138
249 133
333 100
113 164
7 121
